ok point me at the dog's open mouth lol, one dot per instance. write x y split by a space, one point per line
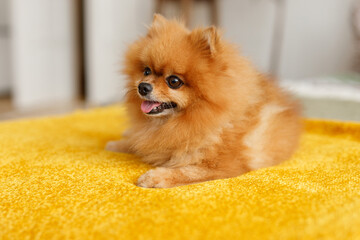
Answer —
150 107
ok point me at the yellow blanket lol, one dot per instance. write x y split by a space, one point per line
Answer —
58 182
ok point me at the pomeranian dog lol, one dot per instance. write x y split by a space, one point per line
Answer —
199 111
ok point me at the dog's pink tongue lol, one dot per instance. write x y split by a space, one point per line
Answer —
147 106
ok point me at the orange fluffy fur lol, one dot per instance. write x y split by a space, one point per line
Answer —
229 119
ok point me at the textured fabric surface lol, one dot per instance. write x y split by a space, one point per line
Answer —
58 182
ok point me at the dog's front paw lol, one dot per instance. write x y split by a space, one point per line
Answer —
157 178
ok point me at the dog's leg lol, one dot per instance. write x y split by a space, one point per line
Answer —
127 132
171 177
118 146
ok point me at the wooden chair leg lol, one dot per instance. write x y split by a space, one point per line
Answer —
159 6
186 6
214 12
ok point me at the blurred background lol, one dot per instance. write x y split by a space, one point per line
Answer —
60 55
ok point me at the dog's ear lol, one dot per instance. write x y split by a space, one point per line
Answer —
158 20
206 39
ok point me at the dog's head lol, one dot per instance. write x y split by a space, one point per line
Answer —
172 69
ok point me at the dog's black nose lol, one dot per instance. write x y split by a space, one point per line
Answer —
144 88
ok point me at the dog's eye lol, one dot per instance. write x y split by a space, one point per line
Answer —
174 82
147 71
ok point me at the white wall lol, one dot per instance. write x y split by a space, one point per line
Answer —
4 48
43 52
318 38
